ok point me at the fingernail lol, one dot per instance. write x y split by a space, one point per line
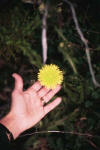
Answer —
60 99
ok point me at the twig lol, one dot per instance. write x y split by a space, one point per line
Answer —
62 132
93 145
44 33
85 43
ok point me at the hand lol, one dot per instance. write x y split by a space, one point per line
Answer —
28 107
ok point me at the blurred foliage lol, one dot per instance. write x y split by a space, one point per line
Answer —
21 51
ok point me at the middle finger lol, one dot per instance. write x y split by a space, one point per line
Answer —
42 92
51 93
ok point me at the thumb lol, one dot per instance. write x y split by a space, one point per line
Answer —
18 82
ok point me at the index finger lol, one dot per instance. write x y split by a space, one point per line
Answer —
35 87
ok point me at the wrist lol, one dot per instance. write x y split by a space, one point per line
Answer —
10 122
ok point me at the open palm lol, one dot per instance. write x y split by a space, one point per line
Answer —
28 106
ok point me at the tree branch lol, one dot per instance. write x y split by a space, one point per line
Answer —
85 43
44 34
62 132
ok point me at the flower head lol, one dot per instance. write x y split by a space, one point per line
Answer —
50 76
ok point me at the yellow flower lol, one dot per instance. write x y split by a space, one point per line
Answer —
50 76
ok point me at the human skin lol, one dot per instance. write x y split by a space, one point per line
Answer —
27 107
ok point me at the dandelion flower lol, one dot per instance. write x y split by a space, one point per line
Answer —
50 76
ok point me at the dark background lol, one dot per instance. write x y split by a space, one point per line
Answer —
21 52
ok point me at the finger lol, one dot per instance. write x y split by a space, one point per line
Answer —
52 105
42 92
51 93
36 86
18 82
